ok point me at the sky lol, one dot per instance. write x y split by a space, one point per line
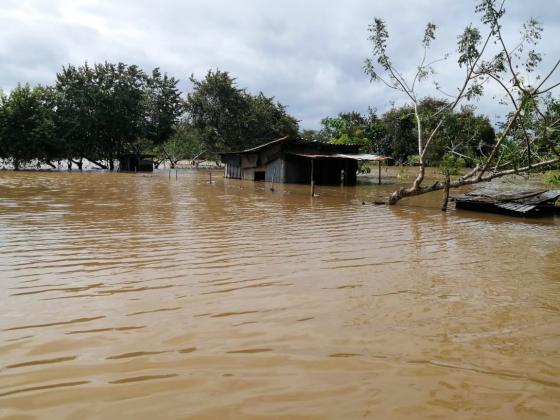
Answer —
308 54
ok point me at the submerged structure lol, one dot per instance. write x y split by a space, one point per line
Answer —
522 203
294 160
133 162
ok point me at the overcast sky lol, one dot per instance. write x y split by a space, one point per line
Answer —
307 54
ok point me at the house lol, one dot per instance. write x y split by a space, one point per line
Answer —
133 162
294 160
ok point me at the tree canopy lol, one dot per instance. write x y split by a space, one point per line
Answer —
229 118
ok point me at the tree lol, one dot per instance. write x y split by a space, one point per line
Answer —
507 68
109 109
353 128
217 107
229 118
462 132
27 126
267 120
163 107
184 143
76 116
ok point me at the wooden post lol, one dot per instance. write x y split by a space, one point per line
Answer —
170 174
445 194
312 178
379 172
210 174
176 175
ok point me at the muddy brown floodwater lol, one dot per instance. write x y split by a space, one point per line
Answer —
141 296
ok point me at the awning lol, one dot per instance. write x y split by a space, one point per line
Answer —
357 156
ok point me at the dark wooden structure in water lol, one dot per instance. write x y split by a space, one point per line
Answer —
294 160
523 203
132 162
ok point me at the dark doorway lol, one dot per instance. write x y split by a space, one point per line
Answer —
259 175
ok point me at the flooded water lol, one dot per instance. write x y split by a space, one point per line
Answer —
144 296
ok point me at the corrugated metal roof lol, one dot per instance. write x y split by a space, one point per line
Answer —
356 156
518 207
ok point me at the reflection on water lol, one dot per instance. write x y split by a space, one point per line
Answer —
137 295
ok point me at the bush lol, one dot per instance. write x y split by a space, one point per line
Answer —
552 177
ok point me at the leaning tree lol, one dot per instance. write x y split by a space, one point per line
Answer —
528 140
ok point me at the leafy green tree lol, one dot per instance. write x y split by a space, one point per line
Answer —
184 143
217 107
109 109
267 120
314 135
228 118
164 106
399 134
354 128
27 126
77 114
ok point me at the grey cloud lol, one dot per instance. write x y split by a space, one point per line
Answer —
309 55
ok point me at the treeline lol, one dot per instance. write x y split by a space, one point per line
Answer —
394 133
99 112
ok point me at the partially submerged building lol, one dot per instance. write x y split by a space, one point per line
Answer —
133 162
294 160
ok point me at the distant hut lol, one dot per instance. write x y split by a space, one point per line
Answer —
294 160
133 162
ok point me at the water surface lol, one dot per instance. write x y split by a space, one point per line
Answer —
142 296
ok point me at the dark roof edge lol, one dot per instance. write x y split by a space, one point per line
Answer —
282 140
254 149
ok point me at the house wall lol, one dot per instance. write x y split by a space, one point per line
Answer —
275 170
297 170
233 167
325 171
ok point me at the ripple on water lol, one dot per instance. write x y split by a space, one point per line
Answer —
125 293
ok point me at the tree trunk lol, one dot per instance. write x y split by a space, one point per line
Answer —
98 164
70 164
111 164
471 178
445 193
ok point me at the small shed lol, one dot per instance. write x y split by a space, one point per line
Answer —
134 162
294 160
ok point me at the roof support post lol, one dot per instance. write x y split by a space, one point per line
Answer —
379 172
312 178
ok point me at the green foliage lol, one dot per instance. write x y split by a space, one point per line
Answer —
451 164
402 173
353 128
463 132
108 109
231 119
413 160
315 135
552 177
27 126
184 143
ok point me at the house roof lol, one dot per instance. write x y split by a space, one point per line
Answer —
354 156
324 149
